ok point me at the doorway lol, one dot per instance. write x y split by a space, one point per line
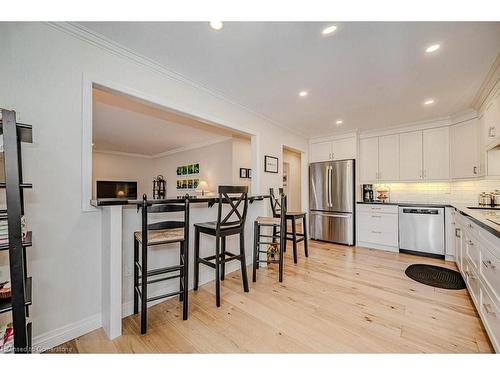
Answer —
292 172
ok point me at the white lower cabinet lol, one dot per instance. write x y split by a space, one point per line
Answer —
377 226
478 259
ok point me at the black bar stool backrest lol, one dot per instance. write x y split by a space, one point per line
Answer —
275 202
234 217
148 208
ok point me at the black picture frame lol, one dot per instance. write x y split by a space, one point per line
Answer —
271 164
249 173
243 173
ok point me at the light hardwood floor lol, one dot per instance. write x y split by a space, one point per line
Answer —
339 300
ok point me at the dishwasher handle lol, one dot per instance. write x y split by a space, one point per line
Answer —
421 211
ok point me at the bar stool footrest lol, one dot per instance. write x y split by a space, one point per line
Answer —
151 299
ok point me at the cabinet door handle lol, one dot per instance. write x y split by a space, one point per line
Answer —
377 216
470 243
487 308
488 264
376 232
474 170
376 208
457 232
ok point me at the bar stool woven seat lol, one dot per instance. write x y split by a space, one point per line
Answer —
158 237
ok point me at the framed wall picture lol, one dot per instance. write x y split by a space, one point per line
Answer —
249 173
270 164
243 173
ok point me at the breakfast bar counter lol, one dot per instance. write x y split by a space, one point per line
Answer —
118 221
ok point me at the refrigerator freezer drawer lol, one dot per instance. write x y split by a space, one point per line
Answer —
332 227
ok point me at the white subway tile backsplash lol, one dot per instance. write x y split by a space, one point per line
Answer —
440 192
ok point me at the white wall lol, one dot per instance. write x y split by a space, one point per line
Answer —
43 73
242 158
215 166
108 166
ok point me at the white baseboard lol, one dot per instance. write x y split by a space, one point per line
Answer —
66 333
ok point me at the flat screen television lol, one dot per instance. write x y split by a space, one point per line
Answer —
116 189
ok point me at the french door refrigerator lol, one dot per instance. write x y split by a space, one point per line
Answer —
331 201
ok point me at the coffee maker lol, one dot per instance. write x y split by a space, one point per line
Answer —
367 192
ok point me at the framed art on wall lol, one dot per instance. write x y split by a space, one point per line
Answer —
243 173
270 164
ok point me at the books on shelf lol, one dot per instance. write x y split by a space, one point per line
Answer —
4 230
7 338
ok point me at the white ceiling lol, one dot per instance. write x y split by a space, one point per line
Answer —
121 124
369 74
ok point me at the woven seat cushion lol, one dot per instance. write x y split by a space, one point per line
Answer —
156 237
265 220
213 225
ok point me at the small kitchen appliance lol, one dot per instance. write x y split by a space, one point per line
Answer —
367 192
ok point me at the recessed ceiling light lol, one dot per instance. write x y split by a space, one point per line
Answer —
339 122
432 48
329 30
303 93
216 25
429 102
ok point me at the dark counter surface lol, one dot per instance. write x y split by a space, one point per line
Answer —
407 204
478 215
210 199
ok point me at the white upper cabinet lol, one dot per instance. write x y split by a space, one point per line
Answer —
337 149
436 146
410 156
491 120
368 159
388 157
465 151
321 151
344 148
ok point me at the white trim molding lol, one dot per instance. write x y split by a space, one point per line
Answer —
488 85
65 333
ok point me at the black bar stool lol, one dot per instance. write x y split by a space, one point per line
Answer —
277 238
160 233
293 217
231 224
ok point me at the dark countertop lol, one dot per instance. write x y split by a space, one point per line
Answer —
408 204
476 214
210 199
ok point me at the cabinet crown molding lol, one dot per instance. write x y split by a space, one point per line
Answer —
490 84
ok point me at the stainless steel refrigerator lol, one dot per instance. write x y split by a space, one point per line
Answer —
331 201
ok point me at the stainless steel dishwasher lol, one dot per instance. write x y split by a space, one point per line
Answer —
421 229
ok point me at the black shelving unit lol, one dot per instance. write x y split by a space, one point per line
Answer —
14 134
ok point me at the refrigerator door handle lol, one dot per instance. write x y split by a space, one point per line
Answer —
329 186
331 214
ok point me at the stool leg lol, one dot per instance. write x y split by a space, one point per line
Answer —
217 271
294 240
196 257
255 251
243 260
144 288
186 281
181 271
304 231
281 260
223 258
136 276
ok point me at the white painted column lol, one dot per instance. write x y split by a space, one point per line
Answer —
112 217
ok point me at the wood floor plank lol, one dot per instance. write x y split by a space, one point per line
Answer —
339 300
